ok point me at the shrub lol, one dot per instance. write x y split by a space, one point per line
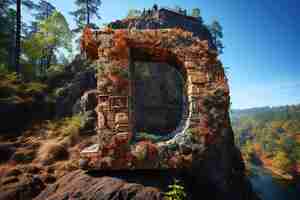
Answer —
34 87
176 191
13 87
68 129
281 161
71 125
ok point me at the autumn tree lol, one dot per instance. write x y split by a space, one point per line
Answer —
86 10
281 161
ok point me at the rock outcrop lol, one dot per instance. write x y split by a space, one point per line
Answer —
163 92
20 185
204 154
78 185
80 78
191 140
20 103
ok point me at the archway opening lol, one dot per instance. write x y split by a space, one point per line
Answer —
158 98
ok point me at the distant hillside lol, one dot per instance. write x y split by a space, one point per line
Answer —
269 134
268 113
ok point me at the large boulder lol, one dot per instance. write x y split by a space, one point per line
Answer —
72 92
20 187
78 185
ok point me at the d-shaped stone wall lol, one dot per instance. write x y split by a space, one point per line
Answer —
204 105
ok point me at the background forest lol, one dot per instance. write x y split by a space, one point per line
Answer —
269 136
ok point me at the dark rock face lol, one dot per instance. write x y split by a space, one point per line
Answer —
72 92
159 97
79 78
16 115
222 172
6 151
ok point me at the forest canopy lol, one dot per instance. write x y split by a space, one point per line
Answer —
271 133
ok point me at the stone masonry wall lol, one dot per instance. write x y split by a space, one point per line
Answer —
204 119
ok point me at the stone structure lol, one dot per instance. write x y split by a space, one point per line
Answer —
205 99
164 18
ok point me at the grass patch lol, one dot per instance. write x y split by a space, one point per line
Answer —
13 88
67 130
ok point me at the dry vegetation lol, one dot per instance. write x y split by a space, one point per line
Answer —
48 149
52 151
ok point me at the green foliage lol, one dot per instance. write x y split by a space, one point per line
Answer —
44 10
3 69
7 37
216 31
71 125
14 89
248 151
142 136
176 191
53 35
281 161
66 130
35 87
276 130
196 12
68 127
86 10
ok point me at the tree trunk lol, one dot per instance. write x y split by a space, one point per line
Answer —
87 13
49 58
18 37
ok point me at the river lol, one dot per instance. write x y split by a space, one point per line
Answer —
270 187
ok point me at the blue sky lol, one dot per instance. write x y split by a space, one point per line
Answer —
261 38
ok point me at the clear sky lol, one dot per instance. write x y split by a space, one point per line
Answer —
261 38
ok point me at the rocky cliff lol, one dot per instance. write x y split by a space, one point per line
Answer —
216 169
161 105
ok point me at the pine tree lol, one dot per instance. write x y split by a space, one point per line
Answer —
44 10
86 10
53 34
28 4
7 39
4 7
216 31
196 12
18 36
